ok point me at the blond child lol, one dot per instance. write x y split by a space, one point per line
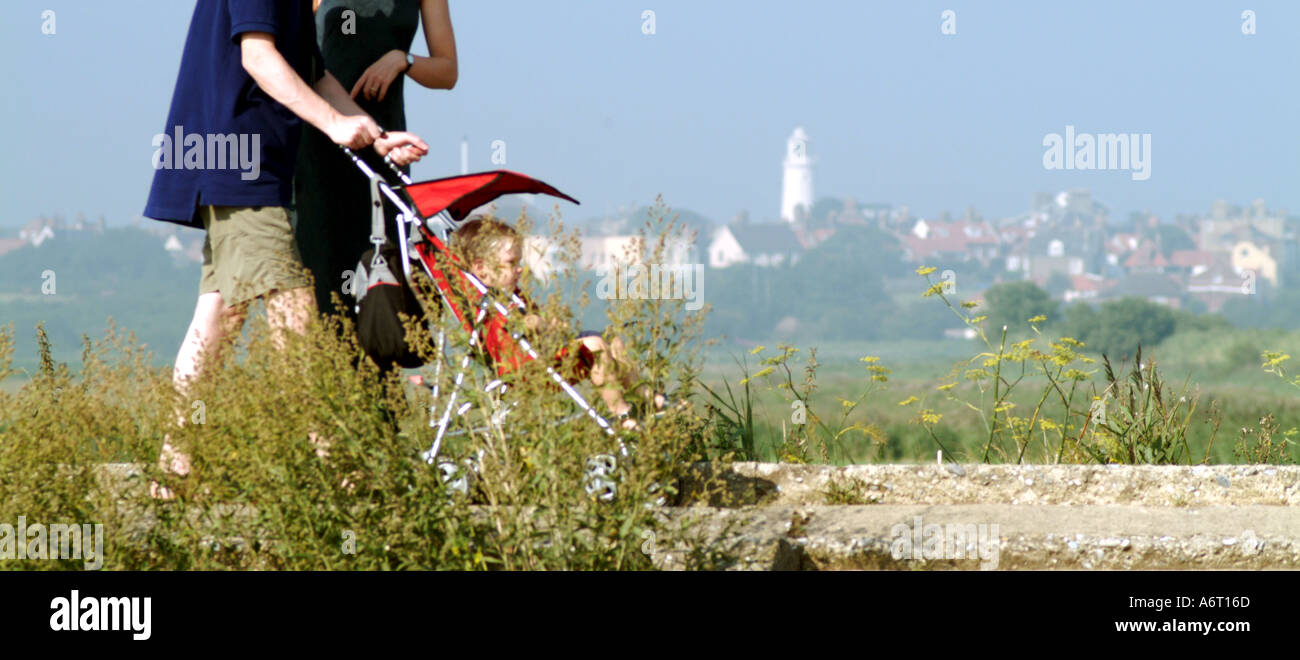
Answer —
493 252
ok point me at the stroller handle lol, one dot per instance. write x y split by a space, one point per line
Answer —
370 172
397 170
441 222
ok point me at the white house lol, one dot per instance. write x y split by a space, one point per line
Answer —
604 251
37 231
542 255
761 244
724 249
37 236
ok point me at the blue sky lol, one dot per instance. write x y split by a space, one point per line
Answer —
699 111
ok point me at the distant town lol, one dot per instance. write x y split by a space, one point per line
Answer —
1066 242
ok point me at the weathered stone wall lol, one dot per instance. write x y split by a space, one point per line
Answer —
779 516
764 516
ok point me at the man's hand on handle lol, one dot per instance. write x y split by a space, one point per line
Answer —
353 132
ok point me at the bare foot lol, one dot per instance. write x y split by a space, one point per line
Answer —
661 404
323 452
322 445
171 462
160 492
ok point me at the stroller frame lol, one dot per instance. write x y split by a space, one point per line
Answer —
427 238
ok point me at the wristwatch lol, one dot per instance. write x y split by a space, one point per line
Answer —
410 62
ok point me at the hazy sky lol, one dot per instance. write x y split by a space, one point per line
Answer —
699 111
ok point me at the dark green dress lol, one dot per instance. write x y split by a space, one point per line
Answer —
332 197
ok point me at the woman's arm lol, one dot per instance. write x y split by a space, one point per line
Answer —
439 70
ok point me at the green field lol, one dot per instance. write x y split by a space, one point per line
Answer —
1221 368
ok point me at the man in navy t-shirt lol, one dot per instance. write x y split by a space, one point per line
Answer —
250 75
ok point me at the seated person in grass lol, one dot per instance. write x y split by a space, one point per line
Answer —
493 252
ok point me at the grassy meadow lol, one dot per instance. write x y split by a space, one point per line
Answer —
1220 370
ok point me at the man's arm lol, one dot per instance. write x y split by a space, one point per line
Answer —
332 91
274 75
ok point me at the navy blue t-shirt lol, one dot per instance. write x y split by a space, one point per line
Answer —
226 142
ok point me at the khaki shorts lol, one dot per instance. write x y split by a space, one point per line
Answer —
249 251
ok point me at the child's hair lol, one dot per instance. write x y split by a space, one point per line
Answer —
480 238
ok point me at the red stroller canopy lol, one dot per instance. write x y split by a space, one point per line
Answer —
458 195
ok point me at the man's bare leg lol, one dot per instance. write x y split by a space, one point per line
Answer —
290 309
213 321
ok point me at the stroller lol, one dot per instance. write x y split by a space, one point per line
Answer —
428 213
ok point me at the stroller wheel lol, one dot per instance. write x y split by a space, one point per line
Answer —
600 482
654 490
601 465
456 478
602 488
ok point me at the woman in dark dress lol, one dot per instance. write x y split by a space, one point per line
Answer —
366 44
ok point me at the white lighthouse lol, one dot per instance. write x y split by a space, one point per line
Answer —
797 187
